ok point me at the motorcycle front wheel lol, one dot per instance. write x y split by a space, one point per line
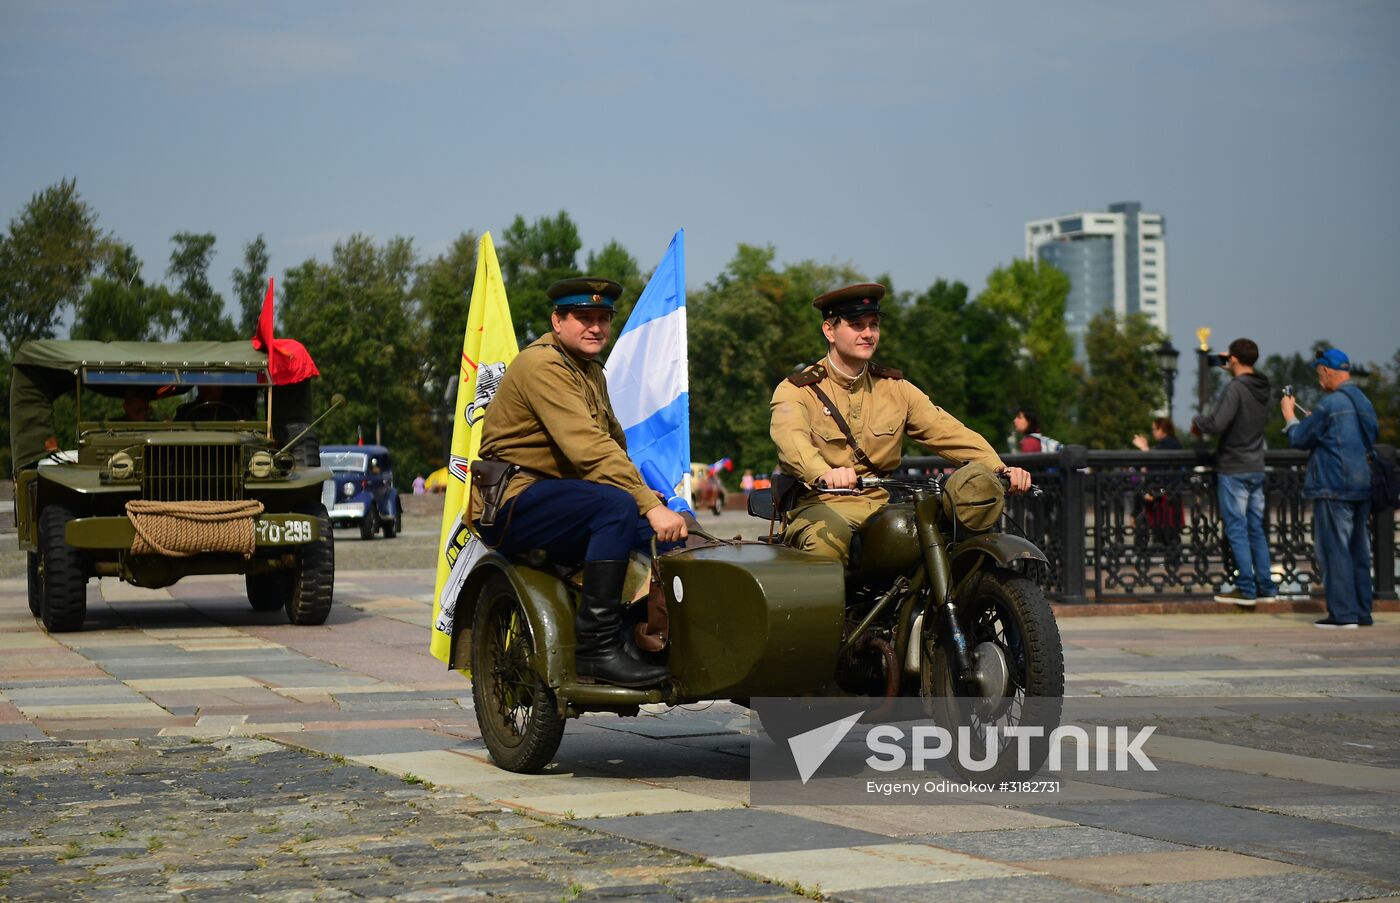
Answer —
515 708
1020 682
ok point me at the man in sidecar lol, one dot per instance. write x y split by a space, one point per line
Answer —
563 482
846 416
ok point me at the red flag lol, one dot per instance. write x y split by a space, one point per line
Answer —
287 359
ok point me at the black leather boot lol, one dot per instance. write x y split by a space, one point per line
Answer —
600 653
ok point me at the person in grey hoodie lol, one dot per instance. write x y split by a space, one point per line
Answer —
1239 417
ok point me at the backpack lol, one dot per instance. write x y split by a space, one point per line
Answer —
1048 445
1385 482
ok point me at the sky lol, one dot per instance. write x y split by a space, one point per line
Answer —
911 139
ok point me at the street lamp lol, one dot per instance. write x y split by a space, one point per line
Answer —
1166 362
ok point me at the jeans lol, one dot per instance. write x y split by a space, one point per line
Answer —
1342 537
1242 510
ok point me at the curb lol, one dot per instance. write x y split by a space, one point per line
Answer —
1116 607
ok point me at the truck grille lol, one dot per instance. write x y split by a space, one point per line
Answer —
193 473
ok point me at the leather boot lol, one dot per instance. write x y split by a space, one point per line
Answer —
600 653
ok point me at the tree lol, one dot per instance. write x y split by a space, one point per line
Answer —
1030 298
45 260
749 329
356 317
1123 388
923 337
441 294
250 285
532 258
118 305
199 310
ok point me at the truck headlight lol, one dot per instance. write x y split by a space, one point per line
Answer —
121 466
260 464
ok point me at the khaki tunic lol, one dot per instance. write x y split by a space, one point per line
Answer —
551 414
880 410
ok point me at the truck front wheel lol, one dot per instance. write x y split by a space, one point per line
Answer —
313 580
62 572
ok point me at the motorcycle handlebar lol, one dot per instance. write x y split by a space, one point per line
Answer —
934 482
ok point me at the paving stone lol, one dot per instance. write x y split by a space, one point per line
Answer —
1294 888
1311 843
732 832
983 890
1048 843
368 743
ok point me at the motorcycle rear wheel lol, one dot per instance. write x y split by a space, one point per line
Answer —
515 708
1003 615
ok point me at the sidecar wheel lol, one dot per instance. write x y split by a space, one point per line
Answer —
515 708
1008 622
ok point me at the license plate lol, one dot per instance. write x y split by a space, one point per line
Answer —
285 531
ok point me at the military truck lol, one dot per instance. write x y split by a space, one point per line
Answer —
230 483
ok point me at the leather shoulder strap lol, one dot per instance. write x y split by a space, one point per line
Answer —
843 427
882 372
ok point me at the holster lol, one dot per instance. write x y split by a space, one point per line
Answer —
490 478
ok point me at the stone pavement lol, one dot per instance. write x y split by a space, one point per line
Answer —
185 745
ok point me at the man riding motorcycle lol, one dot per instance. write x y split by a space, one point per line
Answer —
846 417
563 481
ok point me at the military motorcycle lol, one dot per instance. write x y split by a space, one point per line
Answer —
925 608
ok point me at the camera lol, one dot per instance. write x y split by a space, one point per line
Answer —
1216 360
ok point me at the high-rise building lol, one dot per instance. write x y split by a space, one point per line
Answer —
1116 260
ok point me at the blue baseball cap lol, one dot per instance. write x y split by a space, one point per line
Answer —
1334 359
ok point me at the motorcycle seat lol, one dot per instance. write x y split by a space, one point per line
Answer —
539 560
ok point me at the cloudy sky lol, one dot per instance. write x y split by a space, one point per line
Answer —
908 137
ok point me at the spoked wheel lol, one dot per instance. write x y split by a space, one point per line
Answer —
1018 677
515 708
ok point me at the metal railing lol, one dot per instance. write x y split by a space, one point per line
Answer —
1147 525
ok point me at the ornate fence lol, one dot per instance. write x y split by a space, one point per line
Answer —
1146 525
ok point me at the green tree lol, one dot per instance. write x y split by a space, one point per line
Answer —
532 258
923 337
250 285
441 293
356 317
749 329
1030 298
118 305
199 310
45 259
1123 388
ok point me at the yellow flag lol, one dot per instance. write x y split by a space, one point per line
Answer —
487 347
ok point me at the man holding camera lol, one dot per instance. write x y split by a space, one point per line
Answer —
1338 435
1239 417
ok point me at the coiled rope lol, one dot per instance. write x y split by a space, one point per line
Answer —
182 529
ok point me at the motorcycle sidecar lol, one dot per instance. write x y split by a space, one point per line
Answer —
746 619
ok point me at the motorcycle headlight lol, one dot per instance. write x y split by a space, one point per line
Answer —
284 462
260 464
347 489
121 466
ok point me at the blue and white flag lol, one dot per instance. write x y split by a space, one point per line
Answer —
648 381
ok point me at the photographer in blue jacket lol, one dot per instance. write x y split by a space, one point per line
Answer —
1339 435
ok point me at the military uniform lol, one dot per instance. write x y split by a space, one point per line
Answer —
578 497
551 415
880 407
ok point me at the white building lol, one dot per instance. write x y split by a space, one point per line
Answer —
1115 259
